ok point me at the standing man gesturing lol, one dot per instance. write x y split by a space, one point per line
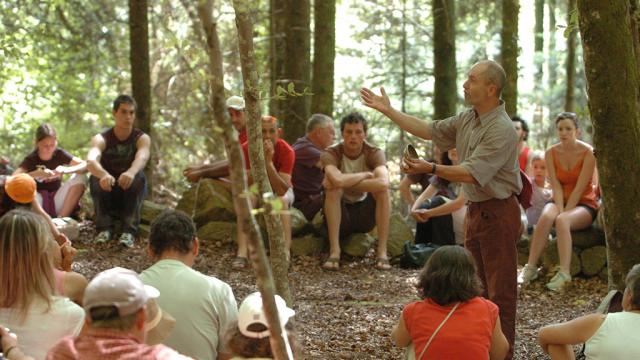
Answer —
488 170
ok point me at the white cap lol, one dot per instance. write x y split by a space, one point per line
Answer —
235 102
118 287
251 312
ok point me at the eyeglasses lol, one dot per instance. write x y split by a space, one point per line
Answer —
567 115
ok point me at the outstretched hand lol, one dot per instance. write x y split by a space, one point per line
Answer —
416 166
378 102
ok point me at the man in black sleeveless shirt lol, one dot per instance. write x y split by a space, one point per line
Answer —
116 162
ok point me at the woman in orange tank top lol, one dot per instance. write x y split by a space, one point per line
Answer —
571 167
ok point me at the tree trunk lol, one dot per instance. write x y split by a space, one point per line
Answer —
634 10
607 44
444 57
239 180
553 62
324 53
295 109
277 52
569 98
256 153
509 53
140 73
539 45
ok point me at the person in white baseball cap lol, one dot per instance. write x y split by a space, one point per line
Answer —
250 338
115 302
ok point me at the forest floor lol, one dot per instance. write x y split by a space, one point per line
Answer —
349 314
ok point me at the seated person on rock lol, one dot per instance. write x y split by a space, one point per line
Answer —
571 165
47 164
541 191
522 130
116 162
203 306
307 171
606 336
279 158
220 169
356 190
440 210
412 179
116 304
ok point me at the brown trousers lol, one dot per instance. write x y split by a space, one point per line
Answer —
493 227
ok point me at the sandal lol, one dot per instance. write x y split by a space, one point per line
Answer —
383 264
239 263
331 264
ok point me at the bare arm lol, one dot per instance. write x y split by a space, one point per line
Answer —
586 174
499 344
571 332
279 181
405 191
556 187
336 178
406 122
76 165
400 335
426 195
142 154
448 207
453 173
93 158
379 182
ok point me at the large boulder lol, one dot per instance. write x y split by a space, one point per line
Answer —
299 224
218 231
399 233
550 258
357 244
208 200
593 259
149 211
67 226
309 244
587 238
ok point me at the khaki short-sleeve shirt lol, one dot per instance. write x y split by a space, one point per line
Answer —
487 148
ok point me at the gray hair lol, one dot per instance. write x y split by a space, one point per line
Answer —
495 74
318 120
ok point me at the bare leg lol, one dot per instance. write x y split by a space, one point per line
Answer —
561 352
382 221
541 233
574 219
333 215
70 202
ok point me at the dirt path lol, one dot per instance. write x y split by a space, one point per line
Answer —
349 314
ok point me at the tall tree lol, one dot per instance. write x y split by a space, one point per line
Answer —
634 10
509 53
538 33
238 176
256 153
324 53
570 66
277 51
614 104
140 73
445 93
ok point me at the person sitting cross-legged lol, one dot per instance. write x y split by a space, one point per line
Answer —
202 305
115 303
606 336
116 162
356 190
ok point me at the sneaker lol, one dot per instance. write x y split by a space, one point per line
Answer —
558 281
103 237
527 274
126 239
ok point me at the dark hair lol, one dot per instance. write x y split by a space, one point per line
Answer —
633 284
444 160
353 118
172 230
524 125
123 99
44 131
567 115
246 347
449 276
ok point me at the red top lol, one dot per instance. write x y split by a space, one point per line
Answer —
109 345
466 335
568 180
523 157
283 156
242 136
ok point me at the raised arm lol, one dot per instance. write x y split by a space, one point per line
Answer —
586 174
406 122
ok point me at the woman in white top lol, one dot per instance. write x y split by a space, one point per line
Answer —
612 336
28 304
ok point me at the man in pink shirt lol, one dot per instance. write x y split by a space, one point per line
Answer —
114 302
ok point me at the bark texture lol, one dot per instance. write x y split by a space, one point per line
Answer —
509 53
324 53
570 66
444 55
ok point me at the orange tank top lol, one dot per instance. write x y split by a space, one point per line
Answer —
568 180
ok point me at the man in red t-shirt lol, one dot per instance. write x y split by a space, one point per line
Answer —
278 158
220 169
522 129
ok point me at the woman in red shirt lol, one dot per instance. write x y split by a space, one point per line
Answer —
452 321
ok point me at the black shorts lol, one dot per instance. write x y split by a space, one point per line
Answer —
593 212
358 217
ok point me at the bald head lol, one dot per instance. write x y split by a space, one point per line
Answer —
493 73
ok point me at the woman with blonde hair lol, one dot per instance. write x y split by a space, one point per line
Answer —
28 304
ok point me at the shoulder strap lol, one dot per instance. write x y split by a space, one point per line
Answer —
438 329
